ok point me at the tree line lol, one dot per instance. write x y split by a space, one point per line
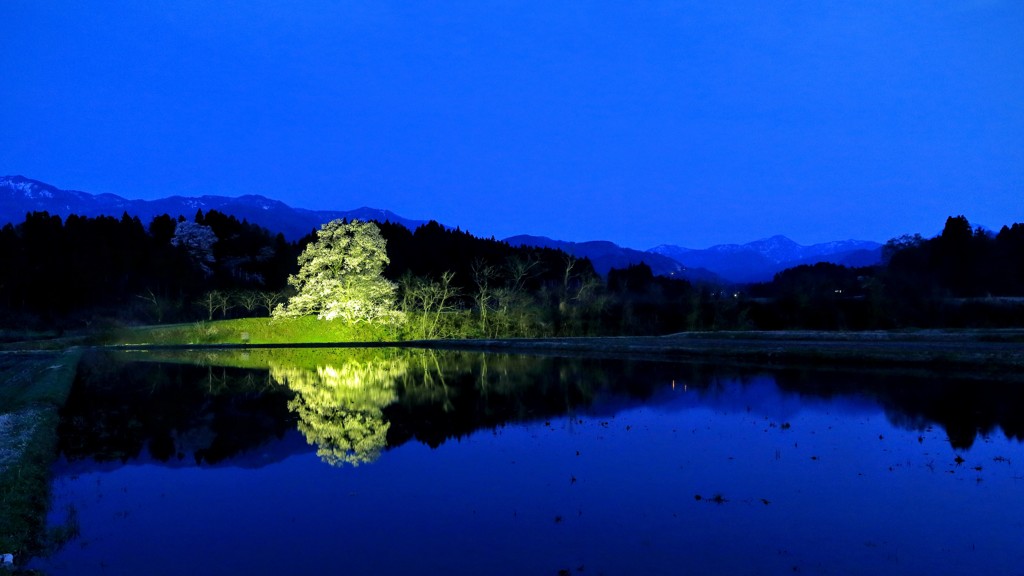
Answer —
964 277
80 271
68 273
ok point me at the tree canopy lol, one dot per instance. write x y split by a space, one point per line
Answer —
341 276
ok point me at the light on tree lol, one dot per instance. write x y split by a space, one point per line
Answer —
341 276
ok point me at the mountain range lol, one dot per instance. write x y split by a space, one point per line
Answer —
731 263
20 195
758 261
605 255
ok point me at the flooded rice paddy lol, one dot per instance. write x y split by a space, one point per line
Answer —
384 461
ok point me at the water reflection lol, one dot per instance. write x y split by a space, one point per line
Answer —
498 464
965 409
353 404
340 407
120 411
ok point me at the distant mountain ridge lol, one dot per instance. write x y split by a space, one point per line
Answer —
20 195
755 261
606 255
760 260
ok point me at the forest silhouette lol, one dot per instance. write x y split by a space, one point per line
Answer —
88 273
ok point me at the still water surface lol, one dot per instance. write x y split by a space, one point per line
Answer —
348 461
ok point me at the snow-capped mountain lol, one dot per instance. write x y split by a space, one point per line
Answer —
759 260
20 195
25 195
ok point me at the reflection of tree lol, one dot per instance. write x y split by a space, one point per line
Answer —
340 408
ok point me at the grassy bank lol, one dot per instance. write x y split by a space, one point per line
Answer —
307 330
34 387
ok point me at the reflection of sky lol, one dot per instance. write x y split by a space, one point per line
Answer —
613 492
759 394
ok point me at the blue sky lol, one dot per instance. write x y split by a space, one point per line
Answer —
689 123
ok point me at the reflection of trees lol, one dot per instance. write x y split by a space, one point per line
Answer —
340 408
965 409
449 394
354 403
116 411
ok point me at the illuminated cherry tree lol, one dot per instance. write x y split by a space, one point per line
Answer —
341 276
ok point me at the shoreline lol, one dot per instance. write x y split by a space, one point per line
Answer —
35 385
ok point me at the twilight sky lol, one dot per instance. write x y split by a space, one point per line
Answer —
689 122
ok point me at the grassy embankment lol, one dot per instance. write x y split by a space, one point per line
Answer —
307 330
33 387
